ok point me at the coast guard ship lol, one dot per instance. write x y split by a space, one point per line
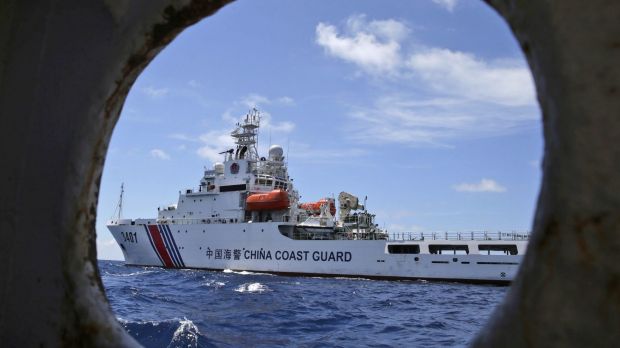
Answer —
246 215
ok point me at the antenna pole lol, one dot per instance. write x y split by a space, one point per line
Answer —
288 146
120 202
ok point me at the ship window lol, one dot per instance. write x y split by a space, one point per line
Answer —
498 249
269 183
448 249
232 188
403 249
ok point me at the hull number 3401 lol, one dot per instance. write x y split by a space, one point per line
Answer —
130 237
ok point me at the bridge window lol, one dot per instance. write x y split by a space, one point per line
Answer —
403 249
448 249
498 249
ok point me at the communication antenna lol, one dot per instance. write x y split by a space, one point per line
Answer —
288 146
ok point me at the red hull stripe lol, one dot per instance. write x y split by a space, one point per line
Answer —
159 245
148 234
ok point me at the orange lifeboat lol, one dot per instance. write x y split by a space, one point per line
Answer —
315 207
274 200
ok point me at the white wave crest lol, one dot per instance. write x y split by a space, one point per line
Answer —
213 283
252 288
239 272
128 274
186 335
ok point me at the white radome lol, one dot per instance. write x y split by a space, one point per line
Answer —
276 152
219 168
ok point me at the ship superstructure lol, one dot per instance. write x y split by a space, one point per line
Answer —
246 215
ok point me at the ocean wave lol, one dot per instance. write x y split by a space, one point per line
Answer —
165 333
244 272
213 284
133 274
353 278
169 308
252 288
186 335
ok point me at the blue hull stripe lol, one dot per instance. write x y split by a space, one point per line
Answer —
167 228
169 247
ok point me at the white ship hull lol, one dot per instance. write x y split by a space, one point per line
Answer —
246 216
260 247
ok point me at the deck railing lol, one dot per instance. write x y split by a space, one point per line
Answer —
474 235
400 236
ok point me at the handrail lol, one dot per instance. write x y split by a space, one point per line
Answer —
401 236
466 236
182 221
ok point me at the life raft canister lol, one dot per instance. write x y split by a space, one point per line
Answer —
315 207
274 200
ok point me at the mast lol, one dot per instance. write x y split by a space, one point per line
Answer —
119 206
246 136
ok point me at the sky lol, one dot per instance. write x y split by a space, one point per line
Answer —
427 107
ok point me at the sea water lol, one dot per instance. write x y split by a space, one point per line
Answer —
195 308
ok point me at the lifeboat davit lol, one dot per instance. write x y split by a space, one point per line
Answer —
315 207
274 200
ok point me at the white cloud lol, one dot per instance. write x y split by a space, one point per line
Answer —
463 75
255 100
155 92
373 46
182 136
268 125
160 154
310 153
107 243
414 121
285 100
213 143
485 185
194 84
457 94
447 4
108 250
